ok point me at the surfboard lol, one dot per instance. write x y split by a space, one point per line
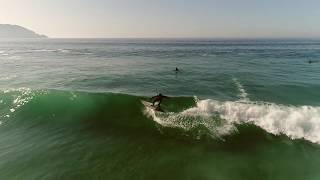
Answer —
153 107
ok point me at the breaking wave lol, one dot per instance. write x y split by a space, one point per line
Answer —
187 114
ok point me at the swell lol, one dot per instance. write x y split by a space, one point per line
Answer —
186 115
66 107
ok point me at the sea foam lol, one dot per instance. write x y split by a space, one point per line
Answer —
296 122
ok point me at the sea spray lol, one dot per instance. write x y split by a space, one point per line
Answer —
294 121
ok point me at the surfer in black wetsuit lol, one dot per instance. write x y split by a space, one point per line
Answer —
158 98
176 70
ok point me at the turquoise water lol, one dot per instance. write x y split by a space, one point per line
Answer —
239 109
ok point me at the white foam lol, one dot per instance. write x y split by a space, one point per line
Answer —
51 50
14 57
191 119
43 50
64 50
243 95
9 77
297 122
293 121
24 96
20 98
3 53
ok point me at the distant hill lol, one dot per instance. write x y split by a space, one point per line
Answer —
15 31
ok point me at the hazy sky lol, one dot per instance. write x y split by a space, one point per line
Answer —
165 18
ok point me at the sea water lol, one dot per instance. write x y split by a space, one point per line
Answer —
238 109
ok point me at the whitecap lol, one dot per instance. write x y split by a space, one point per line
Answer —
296 122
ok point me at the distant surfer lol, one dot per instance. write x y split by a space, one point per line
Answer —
158 98
310 61
176 70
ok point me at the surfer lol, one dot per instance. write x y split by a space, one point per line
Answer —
311 61
158 98
176 70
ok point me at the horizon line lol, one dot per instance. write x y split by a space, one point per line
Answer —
213 38
173 38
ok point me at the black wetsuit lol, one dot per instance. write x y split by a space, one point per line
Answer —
158 99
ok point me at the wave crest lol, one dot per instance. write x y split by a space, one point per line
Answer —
296 122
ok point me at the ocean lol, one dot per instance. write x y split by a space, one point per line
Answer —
238 109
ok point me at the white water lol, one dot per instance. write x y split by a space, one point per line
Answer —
296 122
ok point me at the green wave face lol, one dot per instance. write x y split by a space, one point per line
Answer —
50 134
52 106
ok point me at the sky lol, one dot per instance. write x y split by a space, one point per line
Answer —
165 18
